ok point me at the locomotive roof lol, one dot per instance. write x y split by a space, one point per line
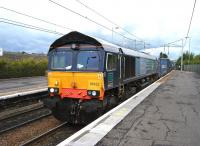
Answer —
77 37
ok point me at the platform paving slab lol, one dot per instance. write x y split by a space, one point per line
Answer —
169 116
17 85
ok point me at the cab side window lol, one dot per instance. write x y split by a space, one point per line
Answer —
111 63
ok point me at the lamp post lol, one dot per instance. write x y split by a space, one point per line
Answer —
147 45
123 41
182 57
164 48
189 48
135 45
168 50
113 32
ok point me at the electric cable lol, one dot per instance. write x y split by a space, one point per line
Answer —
94 11
20 24
39 19
89 19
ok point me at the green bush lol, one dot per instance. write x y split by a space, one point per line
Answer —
23 67
189 58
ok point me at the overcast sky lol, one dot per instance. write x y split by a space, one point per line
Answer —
155 21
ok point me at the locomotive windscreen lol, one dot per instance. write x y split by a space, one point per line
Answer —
87 60
60 60
74 60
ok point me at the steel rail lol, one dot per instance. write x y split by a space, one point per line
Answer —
24 123
31 141
19 111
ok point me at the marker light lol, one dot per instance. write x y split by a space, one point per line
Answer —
89 92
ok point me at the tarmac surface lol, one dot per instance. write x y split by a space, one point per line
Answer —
169 116
16 85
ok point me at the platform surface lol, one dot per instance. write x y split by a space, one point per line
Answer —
169 116
17 85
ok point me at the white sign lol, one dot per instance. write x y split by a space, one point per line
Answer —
1 52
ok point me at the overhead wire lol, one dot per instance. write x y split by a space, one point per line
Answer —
94 11
48 22
24 25
89 19
31 26
174 41
39 19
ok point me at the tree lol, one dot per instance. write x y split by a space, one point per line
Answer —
163 55
189 58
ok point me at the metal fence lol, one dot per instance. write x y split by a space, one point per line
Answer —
192 68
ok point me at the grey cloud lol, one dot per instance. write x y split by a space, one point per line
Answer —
20 39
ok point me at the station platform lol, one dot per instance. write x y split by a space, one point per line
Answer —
20 86
167 113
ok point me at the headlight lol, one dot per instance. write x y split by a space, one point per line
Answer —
94 93
52 90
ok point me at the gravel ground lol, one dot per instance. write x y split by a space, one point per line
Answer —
168 117
13 106
21 101
18 119
58 136
27 132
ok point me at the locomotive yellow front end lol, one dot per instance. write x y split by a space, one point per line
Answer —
77 85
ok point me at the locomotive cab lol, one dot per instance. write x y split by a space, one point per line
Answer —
76 72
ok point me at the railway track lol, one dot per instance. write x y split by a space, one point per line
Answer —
53 136
16 118
17 111
31 118
48 136
35 139
22 101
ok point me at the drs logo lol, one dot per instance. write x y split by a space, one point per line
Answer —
110 79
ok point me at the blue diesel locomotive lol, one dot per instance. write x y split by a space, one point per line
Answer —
87 75
165 66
